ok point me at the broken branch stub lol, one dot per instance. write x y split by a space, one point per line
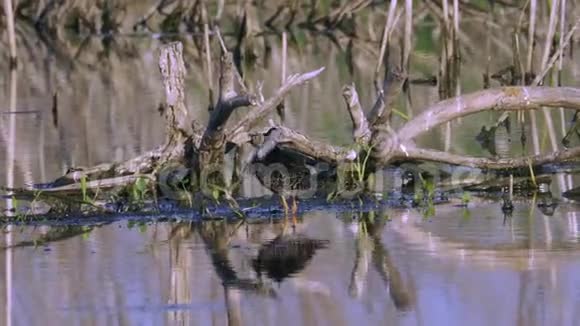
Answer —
227 86
229 99
361 131
381 111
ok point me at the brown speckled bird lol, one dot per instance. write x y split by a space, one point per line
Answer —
288 173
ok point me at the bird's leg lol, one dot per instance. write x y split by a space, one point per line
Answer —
284 205
286 209
294 205
294 210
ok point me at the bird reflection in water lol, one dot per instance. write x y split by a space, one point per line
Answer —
277 259
286 255
547 204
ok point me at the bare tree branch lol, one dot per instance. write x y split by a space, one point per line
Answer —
258 113
488 163
286 138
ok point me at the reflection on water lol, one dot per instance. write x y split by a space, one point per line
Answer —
389 267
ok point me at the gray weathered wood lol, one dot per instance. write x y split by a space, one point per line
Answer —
361 132
177 121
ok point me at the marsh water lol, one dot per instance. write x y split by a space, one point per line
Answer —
388 266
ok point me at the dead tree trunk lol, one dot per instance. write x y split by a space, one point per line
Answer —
181 140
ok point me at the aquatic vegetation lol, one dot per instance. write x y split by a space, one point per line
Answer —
84 188
140 189
465 198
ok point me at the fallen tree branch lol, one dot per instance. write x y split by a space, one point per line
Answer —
100 184
288 139
487 163
498 99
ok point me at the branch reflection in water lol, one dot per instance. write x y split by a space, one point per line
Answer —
369 227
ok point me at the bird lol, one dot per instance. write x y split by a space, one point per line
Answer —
285 174
289 174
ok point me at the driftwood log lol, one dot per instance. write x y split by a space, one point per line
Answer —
376 143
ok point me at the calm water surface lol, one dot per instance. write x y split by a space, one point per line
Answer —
460 266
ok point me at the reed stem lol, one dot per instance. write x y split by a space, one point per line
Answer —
385 41
208 61
9 12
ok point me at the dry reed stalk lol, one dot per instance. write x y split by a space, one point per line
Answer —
9 12
444 73
531 35
456 51
284 56
407 44
560 61
389 23
529 69
445 6
545 58
281 109
208 61
456 16
456 59
220 10
556 55
407 49
487 73
11 149
551 32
